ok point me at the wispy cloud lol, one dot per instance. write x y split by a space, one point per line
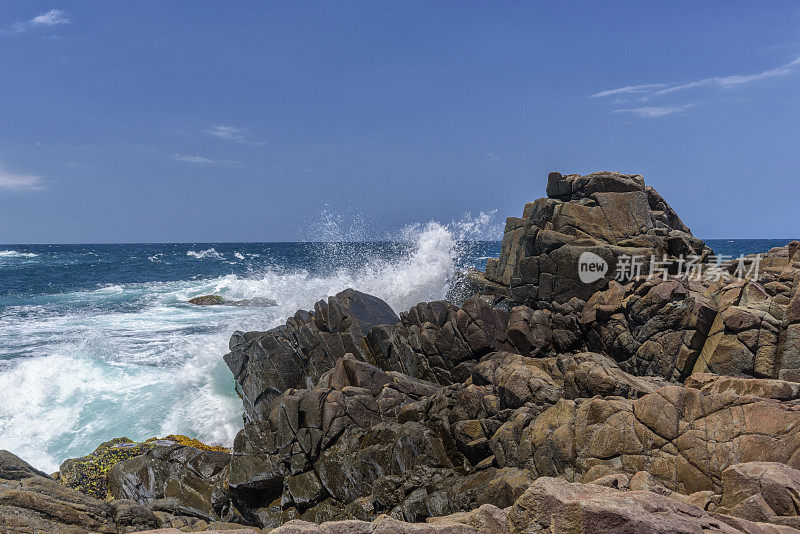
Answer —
20 182
54 17
628 89
491 156
232 133
736 79
649 112
200 160
650 91
51 18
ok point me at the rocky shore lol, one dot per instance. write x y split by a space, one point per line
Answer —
667 400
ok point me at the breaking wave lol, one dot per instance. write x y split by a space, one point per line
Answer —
208 253
16 254
134 359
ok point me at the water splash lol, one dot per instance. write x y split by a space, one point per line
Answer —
208 253
134 359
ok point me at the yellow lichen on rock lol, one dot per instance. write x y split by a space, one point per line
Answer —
88 473
190 442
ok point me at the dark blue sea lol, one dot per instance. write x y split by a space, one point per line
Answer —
98 341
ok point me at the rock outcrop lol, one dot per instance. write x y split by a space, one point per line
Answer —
607 214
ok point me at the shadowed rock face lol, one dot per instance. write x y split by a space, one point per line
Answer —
543 404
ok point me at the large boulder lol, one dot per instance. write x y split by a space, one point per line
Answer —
174 478
607 214
554 505
764 491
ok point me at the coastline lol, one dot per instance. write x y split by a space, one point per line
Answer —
540 396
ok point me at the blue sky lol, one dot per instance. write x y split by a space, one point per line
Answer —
186 121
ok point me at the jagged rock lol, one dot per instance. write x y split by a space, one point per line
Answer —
438 341
652 327
265 364
192 479
757 387
607 214
518 379
677 326
744 336
88 473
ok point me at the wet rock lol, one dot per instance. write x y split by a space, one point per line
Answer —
14 468
265 364
207 300
439 342
174 478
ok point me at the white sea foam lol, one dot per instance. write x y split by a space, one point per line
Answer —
16 254
208 253
93 370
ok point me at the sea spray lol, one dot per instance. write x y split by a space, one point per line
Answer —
82 366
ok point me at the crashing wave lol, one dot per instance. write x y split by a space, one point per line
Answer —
16 254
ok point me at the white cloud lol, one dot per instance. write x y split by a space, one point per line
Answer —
491 156
653 90
649 112
628 89
736 79
20 182
233 133
51 18
200 160
226 132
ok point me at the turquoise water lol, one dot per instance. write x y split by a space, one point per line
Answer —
98 341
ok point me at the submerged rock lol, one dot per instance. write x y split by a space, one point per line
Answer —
217 300
207 300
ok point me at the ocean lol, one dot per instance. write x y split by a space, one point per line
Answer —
99 341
